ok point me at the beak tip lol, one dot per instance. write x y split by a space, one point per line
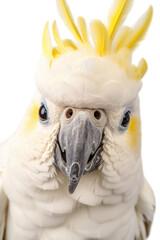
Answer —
71 189
72 186
74 177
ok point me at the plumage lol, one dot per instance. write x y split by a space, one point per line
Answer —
55 52
82 28
117 15
73 168
100 37
68 19
3 209
47 44
141 69
69 44
4 148
145 209
121 39
57 38
140 28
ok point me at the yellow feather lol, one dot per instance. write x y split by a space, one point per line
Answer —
56 52
134 134
82 28
69 44
143 67
47 44
57 38
140 28
117 15
100 37
121 39
68 19
140 70
31 119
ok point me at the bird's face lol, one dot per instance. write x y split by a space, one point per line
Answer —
79 142
85 135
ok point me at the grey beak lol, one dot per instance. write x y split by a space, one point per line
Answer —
80 145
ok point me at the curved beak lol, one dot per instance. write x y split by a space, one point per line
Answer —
78 148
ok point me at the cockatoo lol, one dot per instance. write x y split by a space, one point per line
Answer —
73 170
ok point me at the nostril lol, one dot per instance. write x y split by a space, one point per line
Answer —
74 179
75 171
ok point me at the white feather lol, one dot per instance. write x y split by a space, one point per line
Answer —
145 209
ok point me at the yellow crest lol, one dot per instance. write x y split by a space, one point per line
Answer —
108 40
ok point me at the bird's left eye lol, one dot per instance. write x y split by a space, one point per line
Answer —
43 113
124 123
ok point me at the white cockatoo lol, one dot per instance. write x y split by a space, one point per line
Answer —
73 169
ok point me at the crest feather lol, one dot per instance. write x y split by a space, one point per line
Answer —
57 38
117 15
119 47
82 28
55 52
68 19
69 44
140 28
142 68
100 37
47 43
121 39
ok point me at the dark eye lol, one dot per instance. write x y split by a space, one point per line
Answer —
43 114
97 115
69 113
124 124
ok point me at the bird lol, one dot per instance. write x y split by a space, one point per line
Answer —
73 169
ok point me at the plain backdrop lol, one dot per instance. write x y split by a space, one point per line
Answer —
21 27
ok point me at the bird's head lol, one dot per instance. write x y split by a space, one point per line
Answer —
92 92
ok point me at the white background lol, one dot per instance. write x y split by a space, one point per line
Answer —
21 27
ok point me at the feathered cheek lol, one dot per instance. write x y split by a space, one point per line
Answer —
31 119
133 137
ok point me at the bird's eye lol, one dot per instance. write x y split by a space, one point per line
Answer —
43 113
69 113
97 114
124 124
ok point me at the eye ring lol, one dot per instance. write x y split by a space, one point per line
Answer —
125 120
69 113
97 115
43 113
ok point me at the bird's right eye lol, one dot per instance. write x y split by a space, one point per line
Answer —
97 115
69 113
43 114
